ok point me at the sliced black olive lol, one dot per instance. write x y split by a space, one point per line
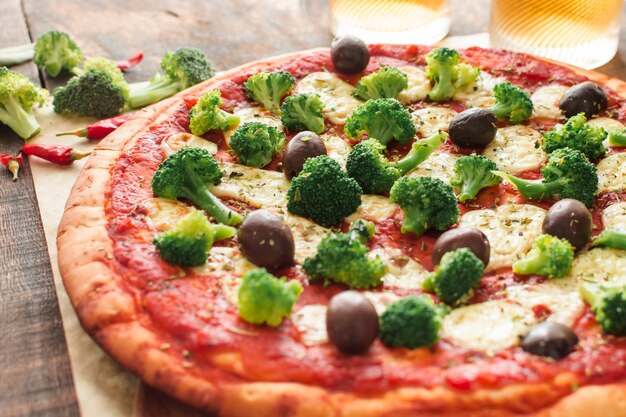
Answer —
473 128
554 340
585 97
351 322
265 240
303 146
350 55
569 219
462 237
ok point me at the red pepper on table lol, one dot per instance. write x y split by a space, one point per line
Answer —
130 62
57 154
13 163
100 129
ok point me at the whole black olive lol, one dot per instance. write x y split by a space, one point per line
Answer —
569 219
265 240
585 97
303 146
462 237
473 128
351 322
554 340
350 55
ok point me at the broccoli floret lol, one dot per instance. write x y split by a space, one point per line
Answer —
448 75
550 256
343 258
92 94
188 242
611 238
369 167
56 51
568 174
384 119
18 98
184 174
617 137
473 173
411 322
576 134
387 82
108 67
268 88
179 70
456 275
257 143
512 103
303 112
609 305
265 299
207 115
323 192
426 202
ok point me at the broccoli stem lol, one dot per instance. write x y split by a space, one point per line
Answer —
471 188
153 92
221 232
532 189
420 150
443 89
416 223
591 293
16 54
611 238
19 120
531 263
617 137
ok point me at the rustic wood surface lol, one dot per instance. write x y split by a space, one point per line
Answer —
35 377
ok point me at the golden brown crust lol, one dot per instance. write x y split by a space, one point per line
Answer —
110 315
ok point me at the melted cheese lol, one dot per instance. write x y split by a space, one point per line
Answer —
310 321
600 265
380 300
612 173
178 141
306 234
430 120
438 165
230 265
607 124
513 149
546 101
254 114
337 148
402 271
373 208
418 86
164 213
614 216
335 93
481 93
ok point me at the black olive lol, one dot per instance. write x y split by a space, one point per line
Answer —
351 322
569 219
350 55
473 128
303 146
462 237
585 97
554 340
265 240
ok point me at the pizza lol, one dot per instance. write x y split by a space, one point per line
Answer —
182 328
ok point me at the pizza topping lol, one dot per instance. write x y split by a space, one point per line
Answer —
269 88
512 103
256 144
350 55
585 97
576 134
180 140
550 339
351 322
569 219
303 112
301 147
57 154
550 256
265 299
418 85
611 238
439 165
608 302
265 240
514 150
382 119
614 216
387 82
462 237
431 120
207 115
411 322
447 74
335 93
617 138
546 101
612 173
456 275
472 173
473 128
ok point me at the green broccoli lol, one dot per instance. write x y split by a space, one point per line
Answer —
188 242
512 103
454 278
426 202
447 74
268 88
184 175
265 299
323 192
611 238
369 167
179 70
609 305
411 322
343 258
568 174
387 82
550 256
303 112
108 67
383 119
92 94
617 137
207 115
576 134
472 173
256 144
18 54
18 98
56 51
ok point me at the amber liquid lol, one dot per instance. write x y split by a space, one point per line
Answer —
580 32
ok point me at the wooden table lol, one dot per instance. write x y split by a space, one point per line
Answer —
35 375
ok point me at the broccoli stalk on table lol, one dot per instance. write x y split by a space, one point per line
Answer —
207 115
512 103
188 242
387 82
303 112
184 174
256 144
412 322
456 275
550 256
269 88
611 238
471 174
617 137
448 74
576 134
383 119
18 98
609 305
375 174
55 51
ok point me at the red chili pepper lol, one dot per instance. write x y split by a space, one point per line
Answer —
130 62
13 163
100 129
57 154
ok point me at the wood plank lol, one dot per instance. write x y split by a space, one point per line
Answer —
35 374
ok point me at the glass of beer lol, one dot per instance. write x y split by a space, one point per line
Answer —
391 21
584 33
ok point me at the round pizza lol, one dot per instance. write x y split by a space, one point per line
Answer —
382 230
